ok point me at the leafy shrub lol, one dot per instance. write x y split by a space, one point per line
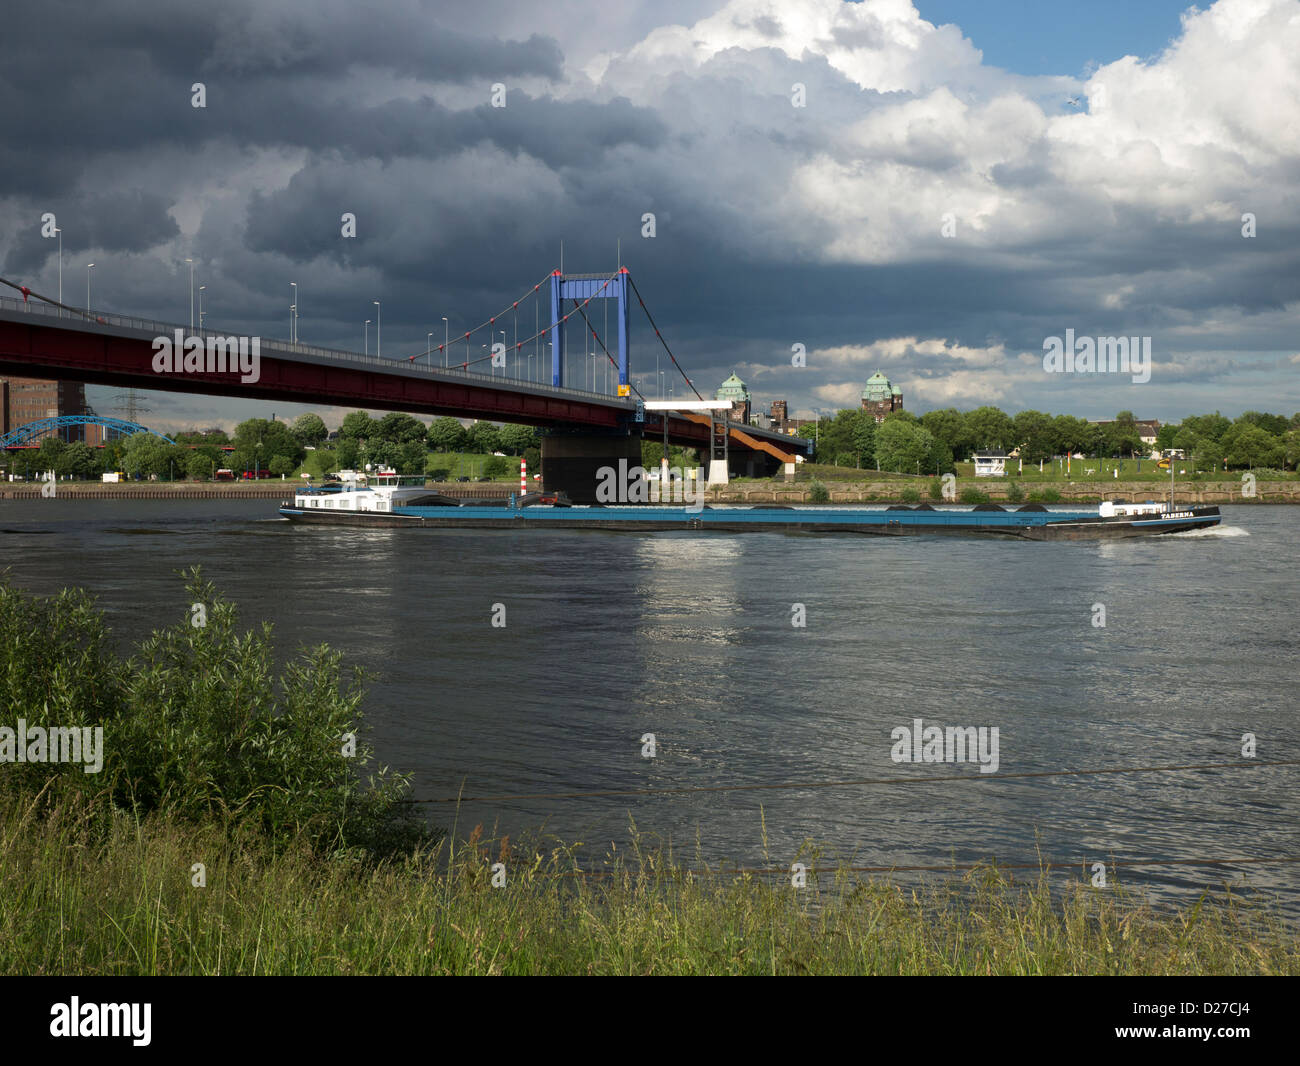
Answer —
936 489
818 493
1015 492
911 494
973 495
195 723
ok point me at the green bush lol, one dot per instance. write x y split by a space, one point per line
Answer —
440 473
1015 493
936 489
911 494
197 725
973 495
818 493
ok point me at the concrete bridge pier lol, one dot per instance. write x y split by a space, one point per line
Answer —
571 461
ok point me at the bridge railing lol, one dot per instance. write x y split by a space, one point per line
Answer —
91 320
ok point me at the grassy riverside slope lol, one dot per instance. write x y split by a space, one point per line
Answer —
75 901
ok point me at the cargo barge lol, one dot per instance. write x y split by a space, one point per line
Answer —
388 501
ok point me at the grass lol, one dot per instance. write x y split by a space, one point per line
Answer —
78 898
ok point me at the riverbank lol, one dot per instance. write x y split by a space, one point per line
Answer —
201 490
124 901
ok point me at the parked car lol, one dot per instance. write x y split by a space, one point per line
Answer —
462 478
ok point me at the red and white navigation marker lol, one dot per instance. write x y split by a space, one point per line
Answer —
523 476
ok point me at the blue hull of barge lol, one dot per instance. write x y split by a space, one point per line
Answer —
1024 525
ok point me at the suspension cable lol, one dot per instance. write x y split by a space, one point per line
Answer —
650 317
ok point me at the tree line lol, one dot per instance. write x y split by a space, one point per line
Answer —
933 442
397 440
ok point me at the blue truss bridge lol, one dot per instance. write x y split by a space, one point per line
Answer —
65 425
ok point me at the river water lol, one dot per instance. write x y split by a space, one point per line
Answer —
610 636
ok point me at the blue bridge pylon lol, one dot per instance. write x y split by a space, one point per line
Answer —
588 287
32 430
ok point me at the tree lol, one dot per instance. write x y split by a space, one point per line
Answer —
517 439
1119 438
1073 434
838 436
357 426
347 453
989 427
1246 444
198 466
259 440
496 466
381 453
1211 427
1291 448
412 457
949 426
281 466
147 455
50 454
447 435
902 446
1208 454
1035 435
483 438
864 439
1274 424
400 428
309 429
940 459
77 460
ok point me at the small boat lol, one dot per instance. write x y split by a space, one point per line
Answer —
387 500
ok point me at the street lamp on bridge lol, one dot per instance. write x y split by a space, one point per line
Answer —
293 322
60 233
367 336
88 266
201 288
191 263
379 325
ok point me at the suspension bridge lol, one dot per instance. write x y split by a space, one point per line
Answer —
585 428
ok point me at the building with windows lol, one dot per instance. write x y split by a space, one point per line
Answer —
779 419
735 390
880 396
990 463
24 400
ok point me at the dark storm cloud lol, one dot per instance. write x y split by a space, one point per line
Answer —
120 221
274 74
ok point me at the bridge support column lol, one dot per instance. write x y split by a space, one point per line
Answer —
571 462
719 460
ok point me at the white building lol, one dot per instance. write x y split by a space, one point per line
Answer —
990 464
